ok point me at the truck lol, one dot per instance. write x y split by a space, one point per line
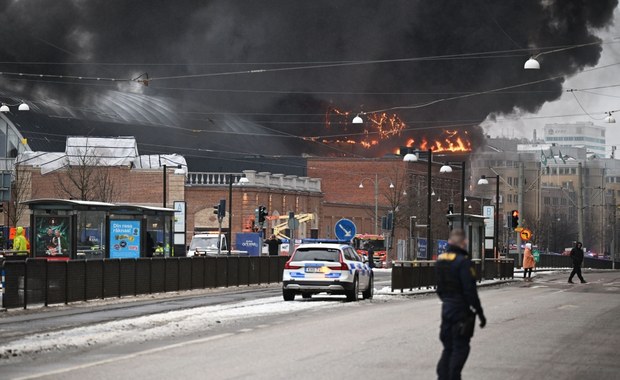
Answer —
207 245
361 242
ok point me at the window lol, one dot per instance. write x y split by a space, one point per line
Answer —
510 181
555 201
509 198
317 254
547 201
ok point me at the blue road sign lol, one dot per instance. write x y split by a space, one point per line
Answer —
345 229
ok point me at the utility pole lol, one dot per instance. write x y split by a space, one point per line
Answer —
613 229
580 195
520 208
603 210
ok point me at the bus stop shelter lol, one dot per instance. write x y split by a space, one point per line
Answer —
65 229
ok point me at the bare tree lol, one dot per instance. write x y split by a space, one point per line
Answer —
87 179
20 192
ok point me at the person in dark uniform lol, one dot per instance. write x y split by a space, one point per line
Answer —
274 245
371 255
456 287
577 255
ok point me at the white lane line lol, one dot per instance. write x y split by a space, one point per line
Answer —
125 357
262 326
245 330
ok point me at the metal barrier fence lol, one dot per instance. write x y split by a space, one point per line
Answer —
38 281
561 261
421 274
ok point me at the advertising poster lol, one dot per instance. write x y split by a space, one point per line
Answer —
422 252
179 216
124 239
53 236
249 242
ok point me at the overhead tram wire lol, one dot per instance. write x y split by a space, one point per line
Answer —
310 66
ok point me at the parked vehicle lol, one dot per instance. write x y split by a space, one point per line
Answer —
207 245
331 268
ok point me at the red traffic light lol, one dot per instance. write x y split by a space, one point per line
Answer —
515 213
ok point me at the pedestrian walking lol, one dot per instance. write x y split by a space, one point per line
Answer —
528 262
274 245
456 287
371 255
577 255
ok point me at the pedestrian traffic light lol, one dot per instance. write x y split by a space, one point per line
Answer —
450 209
262 214
515 218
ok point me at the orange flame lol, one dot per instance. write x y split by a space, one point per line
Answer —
388 126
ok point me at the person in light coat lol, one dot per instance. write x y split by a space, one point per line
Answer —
528 262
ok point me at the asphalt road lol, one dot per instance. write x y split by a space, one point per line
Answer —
547 329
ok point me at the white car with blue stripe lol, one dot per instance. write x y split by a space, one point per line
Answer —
332 268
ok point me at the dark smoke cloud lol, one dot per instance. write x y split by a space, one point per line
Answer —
154 31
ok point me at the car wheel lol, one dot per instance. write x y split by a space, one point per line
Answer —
288 295
353 294
306 295
367 294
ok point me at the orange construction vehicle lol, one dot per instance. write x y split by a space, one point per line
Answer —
361 242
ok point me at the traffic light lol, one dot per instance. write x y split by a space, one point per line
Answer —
220 209
450 209
515 218
262 214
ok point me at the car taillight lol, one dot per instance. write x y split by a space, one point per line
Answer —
343 266
289 266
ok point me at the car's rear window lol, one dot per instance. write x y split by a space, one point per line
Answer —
317 254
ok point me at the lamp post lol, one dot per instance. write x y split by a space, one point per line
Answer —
231 179
376 184
411 157
165 180
448 169
484 181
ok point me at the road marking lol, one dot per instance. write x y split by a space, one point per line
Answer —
245 330
125 357
262 326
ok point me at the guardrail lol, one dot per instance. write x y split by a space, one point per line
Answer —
421 274
43 282
561 261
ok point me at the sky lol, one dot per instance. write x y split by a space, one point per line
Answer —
218 61
595 102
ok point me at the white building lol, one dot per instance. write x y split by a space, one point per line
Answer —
580 134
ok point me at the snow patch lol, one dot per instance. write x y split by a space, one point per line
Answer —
155 326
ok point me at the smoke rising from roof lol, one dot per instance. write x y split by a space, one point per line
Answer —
189 37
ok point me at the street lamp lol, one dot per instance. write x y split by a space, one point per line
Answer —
483 181
358 119
532 64
609 118
412 157
446 168
4 108
376 184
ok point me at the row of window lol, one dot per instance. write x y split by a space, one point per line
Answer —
576 138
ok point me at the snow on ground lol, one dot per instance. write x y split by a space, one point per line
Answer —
387 290
155 326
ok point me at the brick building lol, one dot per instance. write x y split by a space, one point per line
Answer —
389 184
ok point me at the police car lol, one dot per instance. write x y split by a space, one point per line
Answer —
332 268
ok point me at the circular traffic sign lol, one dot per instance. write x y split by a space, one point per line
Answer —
526 234
345 229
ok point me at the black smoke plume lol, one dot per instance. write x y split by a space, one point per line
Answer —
171 38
